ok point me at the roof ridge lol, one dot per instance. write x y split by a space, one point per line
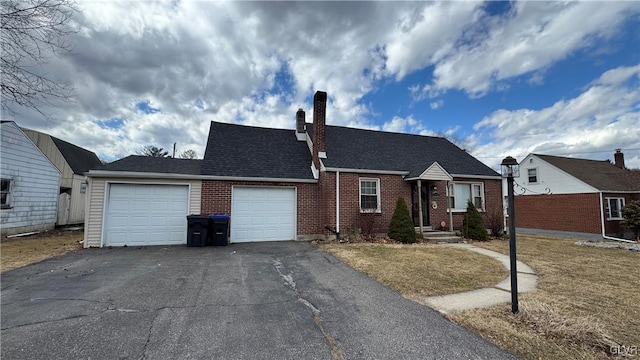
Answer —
381 131
251 126
570 158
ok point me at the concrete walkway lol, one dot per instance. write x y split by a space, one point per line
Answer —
487 297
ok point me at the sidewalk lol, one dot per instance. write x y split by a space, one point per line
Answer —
487 297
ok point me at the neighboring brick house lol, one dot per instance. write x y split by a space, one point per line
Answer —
295 184
574 195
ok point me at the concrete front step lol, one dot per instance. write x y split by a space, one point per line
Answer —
441 237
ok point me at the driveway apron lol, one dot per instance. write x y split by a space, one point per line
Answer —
284 300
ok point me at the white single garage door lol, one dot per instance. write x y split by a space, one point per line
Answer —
263 214
138 214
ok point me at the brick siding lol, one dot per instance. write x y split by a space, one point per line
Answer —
563 212
216 198
316 203
391 187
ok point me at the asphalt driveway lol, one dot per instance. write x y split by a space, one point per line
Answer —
245 301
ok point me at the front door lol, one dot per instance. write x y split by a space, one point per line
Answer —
415 206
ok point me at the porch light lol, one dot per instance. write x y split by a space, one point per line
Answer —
510 169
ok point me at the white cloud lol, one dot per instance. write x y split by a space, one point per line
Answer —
436 104
228 58
425 35
605 116
531 38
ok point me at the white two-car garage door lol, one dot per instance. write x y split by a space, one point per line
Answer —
144 214
263 214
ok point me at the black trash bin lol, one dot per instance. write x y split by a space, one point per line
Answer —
220 230
197 230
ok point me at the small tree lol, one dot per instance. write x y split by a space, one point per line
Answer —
473 224
401 226
631 217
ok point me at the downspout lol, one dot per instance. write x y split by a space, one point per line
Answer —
420 222
338 204
450 210
602 223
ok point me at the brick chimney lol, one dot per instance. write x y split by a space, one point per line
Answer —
618 159
300 125
319 127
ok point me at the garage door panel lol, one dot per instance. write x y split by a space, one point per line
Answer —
145 214
263 214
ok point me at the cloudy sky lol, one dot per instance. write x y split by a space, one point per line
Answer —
509 78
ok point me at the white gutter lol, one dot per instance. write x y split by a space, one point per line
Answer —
338 202
134 174
477 176
602 223
366 171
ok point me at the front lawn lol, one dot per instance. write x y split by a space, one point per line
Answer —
586 306
420 270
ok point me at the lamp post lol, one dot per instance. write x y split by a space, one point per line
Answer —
510 169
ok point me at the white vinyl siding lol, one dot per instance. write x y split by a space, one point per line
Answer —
369 195
461 193
550 179
614 208
96 197
34 183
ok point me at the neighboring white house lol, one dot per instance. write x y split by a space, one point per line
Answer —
30 184
72 161
574 195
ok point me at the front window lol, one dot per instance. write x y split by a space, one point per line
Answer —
5 191
461 193
614 208
533 175
369 195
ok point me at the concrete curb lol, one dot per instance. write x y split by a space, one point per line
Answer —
487 297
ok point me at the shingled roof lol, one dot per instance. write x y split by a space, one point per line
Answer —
601 174
246 151
81 160
161 165
350 148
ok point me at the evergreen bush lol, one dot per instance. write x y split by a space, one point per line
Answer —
473 224
631 218
401 227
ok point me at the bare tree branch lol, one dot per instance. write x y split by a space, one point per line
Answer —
188 154
153 151
31 32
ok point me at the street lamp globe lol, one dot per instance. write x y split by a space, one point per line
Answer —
509 167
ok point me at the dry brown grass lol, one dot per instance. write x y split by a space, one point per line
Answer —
18 252
420 270
587 300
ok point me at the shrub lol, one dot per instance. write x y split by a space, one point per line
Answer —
473 224
631 217
496 223
366 223
401 226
